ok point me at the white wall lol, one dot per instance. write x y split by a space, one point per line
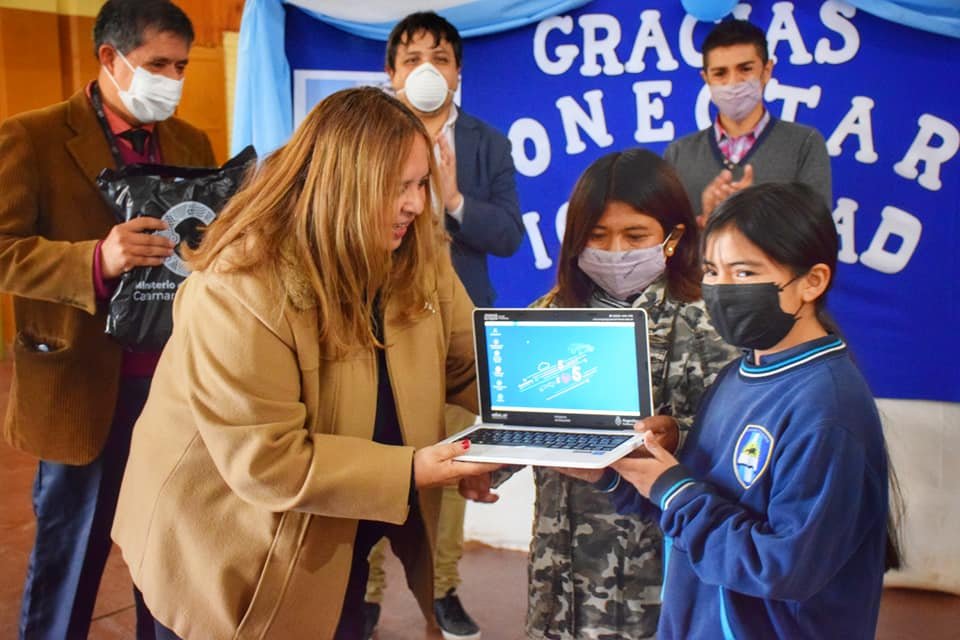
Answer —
924 442
507 522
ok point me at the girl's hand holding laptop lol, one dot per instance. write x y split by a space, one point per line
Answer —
664 430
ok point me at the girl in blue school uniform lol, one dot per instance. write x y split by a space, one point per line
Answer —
775 511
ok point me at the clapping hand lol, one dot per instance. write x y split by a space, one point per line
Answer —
721 188
447 169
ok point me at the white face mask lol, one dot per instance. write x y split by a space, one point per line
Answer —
426 88
151 96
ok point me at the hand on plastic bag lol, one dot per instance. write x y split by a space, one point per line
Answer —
162 210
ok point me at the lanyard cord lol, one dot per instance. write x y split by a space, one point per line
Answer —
97 103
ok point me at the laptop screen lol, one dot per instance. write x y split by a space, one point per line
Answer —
563 367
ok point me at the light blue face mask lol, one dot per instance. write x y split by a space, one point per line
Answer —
624 274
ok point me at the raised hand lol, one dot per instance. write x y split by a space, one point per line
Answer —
721 188
447 169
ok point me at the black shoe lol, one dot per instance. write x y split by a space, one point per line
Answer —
455 623
371 616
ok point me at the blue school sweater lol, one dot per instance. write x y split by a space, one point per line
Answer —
775 520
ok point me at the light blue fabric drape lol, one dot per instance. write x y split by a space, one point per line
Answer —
476 18
936 16
263 111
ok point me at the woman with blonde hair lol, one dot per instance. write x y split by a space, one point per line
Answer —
292 419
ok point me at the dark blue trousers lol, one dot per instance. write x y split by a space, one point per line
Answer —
74 507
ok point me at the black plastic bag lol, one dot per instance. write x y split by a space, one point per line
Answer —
187 199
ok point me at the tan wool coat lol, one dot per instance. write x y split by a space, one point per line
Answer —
253 460
51 218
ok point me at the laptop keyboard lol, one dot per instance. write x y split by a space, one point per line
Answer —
547 439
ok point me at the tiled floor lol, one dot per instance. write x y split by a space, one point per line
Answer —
494 589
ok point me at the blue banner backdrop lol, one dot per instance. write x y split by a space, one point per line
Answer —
612 75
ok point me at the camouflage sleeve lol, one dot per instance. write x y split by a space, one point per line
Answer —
697 356
503 474
684 423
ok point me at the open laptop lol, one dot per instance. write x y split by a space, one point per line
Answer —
559 387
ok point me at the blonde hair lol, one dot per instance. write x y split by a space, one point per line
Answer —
324 201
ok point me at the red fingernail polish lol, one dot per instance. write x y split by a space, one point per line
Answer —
465 443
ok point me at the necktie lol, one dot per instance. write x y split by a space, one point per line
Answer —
137 138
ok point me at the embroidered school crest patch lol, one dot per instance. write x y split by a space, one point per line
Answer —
751 456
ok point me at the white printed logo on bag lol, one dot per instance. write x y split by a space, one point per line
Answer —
183 221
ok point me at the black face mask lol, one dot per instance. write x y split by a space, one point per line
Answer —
748 315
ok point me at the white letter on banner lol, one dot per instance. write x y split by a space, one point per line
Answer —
742 11
833 15
933 157
896 222
702 109
792 97
531 222
529 129
858 122
561 221
688 50
649 108
650 34
843 218
575 118
784 27
565 52
594 47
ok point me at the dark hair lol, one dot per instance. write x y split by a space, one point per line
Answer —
732 32
787 221
423 21
123 23
646 182
791 223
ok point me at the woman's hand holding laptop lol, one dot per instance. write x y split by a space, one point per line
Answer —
436 465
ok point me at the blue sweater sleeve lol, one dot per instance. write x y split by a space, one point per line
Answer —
824 498
626 499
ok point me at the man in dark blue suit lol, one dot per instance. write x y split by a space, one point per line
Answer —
478 201
479 197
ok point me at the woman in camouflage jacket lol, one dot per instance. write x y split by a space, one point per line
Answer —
593 573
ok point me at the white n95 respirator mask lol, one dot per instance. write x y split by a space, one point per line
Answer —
426 88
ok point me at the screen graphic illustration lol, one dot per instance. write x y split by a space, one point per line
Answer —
569 367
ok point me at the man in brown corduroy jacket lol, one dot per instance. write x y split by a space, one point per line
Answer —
75 393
